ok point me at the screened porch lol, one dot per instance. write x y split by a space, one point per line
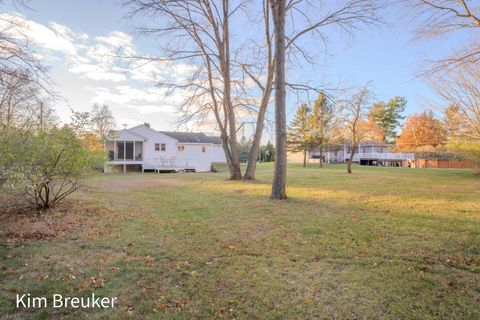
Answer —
122 151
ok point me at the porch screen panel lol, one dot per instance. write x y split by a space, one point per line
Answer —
120 150
129 150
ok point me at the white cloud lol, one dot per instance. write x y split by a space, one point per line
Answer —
92 63
96 72
47 38
148 109
117 39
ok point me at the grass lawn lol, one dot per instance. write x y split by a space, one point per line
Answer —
382 243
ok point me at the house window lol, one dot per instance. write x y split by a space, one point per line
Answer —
160 147
204 149
181 148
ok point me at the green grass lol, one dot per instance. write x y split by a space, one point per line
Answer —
382 243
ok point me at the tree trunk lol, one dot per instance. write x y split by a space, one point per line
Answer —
255 148
304 158
267 90
350 160
321 157
226 150
235 172
280 172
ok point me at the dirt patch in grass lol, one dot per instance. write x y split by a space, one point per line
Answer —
23 223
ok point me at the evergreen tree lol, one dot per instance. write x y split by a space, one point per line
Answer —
388 115
243 147
299 137
269 152
322 123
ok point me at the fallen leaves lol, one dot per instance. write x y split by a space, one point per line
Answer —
62 221
171 305
149 260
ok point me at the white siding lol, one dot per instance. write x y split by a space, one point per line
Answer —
201 161
192 156
150 156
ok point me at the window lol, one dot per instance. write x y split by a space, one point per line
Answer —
160 147
204 149
181 148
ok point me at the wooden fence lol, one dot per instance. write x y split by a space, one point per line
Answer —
443 164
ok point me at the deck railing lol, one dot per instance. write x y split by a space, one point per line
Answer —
113 156
384 156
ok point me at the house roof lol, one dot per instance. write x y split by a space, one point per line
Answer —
192 137
125 134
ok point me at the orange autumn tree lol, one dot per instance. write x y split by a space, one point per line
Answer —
421 130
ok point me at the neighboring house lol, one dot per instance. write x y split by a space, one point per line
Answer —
367 153
141 148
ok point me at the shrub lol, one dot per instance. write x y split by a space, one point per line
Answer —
469 150
45 166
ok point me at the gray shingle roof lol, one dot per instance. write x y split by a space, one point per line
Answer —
192 137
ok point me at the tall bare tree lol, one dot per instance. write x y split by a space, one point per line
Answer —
16 95
439 18
266 89
354 110
199 33
307 18
16 52
460 90
22 104
102 120
24 84
279 8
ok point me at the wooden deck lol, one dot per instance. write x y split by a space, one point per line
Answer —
162 167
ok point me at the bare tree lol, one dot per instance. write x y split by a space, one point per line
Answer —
460 89
201 29
16 52
279 8
22 104
439 18
16 94
307 18
24 84
354 110
102 120
266 89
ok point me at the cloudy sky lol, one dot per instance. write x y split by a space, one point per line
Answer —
77 38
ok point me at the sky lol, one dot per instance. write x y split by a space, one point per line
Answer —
74 38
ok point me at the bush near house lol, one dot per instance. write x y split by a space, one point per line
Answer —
44 166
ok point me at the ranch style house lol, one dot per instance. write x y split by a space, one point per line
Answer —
142 148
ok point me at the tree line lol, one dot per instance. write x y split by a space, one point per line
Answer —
347 121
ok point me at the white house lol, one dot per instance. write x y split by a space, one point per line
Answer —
367 153
141 148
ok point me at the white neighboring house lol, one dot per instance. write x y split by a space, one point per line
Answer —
367 153
142 148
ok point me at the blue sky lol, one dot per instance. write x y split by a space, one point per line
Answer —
386 57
